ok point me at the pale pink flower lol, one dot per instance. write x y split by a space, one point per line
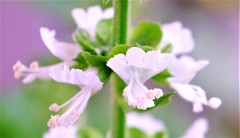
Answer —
135 68
197 96
89 83
179 37
183 70
61 132
88 19
198 129
145 122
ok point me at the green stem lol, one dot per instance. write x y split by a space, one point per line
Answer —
118 117
120 25
120 21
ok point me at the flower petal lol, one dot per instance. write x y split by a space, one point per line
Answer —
184 69
76 76
62 50
197 130
89 19
119 65
61 132
135 57
185 91
76 108
108 13
145 122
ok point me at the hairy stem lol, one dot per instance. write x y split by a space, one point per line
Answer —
120 25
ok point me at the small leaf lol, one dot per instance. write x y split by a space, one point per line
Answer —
94 60
104 32
161 78
119 49
98 62
162 134
145 48
167 48
146 33
89 132
81 62
104 73
83 38
165 99
136 133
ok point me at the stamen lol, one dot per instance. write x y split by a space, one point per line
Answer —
34 65
18 69
158 93
150 95
53 121
54 107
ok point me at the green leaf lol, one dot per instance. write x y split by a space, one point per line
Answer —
145 48
165 99
81 62
99 62
162 77
167 48
162 134
104 32
146 33
89 132
84 40
94 60
119 49
104 73
136 133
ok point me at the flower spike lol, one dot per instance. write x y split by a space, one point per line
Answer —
135 69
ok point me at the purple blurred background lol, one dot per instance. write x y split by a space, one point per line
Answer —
215 27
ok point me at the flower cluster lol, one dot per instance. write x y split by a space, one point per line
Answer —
184 67
88 62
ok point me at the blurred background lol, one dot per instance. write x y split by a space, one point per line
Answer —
215 27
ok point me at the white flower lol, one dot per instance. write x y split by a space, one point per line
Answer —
196 95
184 68
145 122
89 19
89 83
198 129
179 37
150 125
64 51
135 69
61 132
